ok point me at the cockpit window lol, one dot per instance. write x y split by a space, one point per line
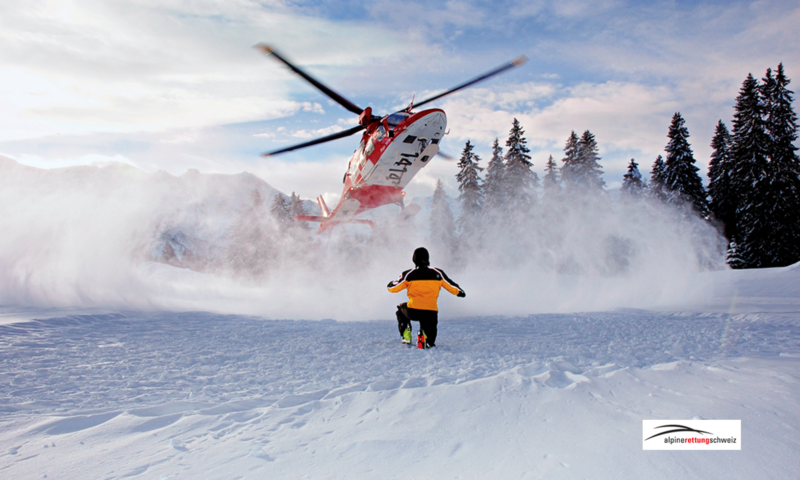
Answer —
394 119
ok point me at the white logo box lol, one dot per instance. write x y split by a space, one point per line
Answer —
691 434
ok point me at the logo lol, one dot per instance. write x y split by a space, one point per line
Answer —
691 434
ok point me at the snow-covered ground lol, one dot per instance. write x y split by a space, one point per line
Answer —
160 395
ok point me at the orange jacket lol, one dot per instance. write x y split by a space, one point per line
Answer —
423 285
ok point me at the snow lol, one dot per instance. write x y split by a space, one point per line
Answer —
170 395
116 365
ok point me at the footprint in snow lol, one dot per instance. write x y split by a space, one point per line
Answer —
565 380
156 423
259 452
416 382
137 471
533 370
384 385
345 391
607 371
178 445
300 399
665 366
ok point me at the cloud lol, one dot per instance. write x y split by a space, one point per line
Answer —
319 132
662 42
77 67
190 136
420 17
629 120
582 8
623 115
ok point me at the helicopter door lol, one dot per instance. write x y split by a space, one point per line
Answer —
428 152
362 157
354 165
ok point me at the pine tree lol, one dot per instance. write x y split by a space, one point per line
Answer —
570 168
582 172
280 211
657 179
551 182
520 181
587 157
723 199
493 185
632 183
296 208
442 224
747 174
681 179
470 188
777 242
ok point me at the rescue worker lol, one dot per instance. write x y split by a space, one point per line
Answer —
422 284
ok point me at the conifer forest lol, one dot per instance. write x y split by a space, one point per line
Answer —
752 198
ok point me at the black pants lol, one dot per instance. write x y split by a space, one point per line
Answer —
428 321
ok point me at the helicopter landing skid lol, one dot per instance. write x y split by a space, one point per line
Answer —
409 212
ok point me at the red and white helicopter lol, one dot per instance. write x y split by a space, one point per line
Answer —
392 150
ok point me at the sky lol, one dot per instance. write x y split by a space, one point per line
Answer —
175 85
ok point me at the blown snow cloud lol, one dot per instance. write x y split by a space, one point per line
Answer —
94 237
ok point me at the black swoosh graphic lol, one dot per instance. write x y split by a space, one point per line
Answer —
679 428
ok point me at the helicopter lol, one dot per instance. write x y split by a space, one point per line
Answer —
393 148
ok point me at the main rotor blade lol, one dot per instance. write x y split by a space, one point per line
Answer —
327 91
337 135
513 63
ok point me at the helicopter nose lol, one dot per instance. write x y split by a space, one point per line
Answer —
437 121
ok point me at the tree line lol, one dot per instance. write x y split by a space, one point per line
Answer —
753 196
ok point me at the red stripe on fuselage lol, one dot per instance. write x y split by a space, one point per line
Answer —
373 196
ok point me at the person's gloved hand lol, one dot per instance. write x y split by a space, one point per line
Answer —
462 294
